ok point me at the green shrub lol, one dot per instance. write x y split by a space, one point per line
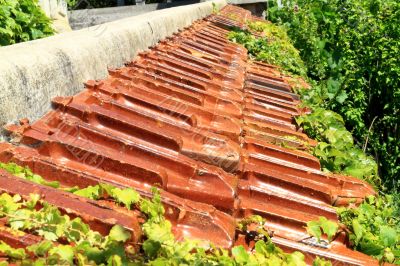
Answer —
374 227
336 150
351 48
22 20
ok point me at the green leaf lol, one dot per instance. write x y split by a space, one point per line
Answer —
114 260
64 253
328 227
261 247
20 219
314 229
13 253
107 188
8 204
48 235
371 248
90 192
296 258
341 97
158 230
358 230
388 235
240 254
388 255
39 262
82 260
321 262
151 248
119 234
33 199
40 249
36 34
126 196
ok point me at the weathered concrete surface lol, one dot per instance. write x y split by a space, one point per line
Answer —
34 72
84 18
53 8
56 10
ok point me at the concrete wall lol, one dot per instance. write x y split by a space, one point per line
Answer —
57 11
84 18
54 8
32 73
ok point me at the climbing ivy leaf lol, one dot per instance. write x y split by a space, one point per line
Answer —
323 225
126 196
240 254
40 249
119 233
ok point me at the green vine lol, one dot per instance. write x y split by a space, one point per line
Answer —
374 227
87 247
51 225
273 47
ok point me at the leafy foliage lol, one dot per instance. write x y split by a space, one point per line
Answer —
126 197
87 247
322 226
351 47
162 249
336 149
159 248
47 221
26 173
22 20
374 227
273 48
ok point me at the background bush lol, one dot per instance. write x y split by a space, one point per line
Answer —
22 20
351 48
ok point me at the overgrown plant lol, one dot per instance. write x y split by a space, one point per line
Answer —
87 247
351 47
374 227
336 149
273 47
22 20
321 227
84 245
